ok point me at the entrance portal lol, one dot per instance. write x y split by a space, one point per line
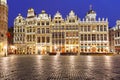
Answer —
94 49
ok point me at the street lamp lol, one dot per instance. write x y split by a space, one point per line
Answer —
55 48
5 49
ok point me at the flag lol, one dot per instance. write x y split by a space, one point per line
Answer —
8 34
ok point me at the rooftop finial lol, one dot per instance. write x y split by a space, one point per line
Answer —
90 7
19 14
43 11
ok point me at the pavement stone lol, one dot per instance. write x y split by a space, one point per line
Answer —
40 67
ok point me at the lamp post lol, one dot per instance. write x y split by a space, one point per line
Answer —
5 50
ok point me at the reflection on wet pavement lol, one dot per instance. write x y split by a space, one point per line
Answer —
37 67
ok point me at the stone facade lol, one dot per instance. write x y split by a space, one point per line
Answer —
112 39
115 42
3 27
39 34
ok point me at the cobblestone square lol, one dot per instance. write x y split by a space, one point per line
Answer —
38 67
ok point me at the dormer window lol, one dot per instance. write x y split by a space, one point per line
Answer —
59 17
59 21
47 23
55 17
73 20
55 21
20 21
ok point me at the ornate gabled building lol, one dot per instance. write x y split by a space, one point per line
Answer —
19 34
58 33
30 32
39 34
112 39
94 34
43 34
72 33
115 38
3 27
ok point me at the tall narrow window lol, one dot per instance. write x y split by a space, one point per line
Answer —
81 37
98 37
101 37
105 37
88 28
38 39
43 39
48 39
93 37
38 30
101 28
97 27
81 28
43 30
85 37
105 28
89 37
47 30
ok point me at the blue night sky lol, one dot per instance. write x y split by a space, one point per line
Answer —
104 8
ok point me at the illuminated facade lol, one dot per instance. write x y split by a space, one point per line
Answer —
115 41
94 34
112 39
58 33
72 33
39 34
3 27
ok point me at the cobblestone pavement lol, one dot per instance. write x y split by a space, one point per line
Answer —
37 67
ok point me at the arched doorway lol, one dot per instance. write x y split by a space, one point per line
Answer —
94 49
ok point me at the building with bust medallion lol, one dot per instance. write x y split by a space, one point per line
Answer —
39 34
94 34
3 27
